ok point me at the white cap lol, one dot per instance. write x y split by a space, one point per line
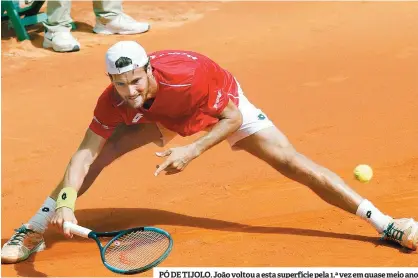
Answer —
128 49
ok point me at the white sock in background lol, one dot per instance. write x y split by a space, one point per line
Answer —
41 219
371 214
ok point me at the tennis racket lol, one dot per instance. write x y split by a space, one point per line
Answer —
129 251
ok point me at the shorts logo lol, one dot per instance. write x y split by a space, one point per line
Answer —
369 214
261 116
137 117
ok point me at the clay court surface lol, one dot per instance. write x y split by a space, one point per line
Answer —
340 79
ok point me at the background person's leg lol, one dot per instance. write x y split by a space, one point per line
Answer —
58 27
110 19
106 11
58 15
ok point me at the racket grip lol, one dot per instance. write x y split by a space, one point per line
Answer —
77 230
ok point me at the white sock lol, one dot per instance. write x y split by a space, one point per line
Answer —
41 219
371 214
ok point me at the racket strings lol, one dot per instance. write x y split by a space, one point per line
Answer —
136 250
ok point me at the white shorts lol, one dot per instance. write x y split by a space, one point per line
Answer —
253 121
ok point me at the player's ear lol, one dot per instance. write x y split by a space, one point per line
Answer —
110 77
149 68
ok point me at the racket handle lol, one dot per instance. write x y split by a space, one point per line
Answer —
77 230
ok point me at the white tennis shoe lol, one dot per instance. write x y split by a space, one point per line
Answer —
122 24
22 244
62 41
403 231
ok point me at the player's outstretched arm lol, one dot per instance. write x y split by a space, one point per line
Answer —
66 192
230 119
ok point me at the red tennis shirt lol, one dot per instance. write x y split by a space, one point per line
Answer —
192 91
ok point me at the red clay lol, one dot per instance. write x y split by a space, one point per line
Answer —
338 78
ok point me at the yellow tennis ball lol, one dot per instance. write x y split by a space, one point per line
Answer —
363 173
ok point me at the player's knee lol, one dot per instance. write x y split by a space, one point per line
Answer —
285 154
279 152
271 138
280 146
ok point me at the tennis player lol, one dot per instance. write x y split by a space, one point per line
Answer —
153 97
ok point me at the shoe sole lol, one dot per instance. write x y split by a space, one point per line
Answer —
105 32
413 238
40 247
415 241
412 241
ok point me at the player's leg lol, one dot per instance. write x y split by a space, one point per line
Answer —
271 146
29 237
58 27
259 137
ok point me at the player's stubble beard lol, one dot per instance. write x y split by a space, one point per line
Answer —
140 100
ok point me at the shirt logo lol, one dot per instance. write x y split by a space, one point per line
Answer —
137 117
261 116
218 98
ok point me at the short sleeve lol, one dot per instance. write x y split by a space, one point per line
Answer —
213 98
106 117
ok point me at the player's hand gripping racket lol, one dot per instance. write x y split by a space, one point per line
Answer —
129 251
